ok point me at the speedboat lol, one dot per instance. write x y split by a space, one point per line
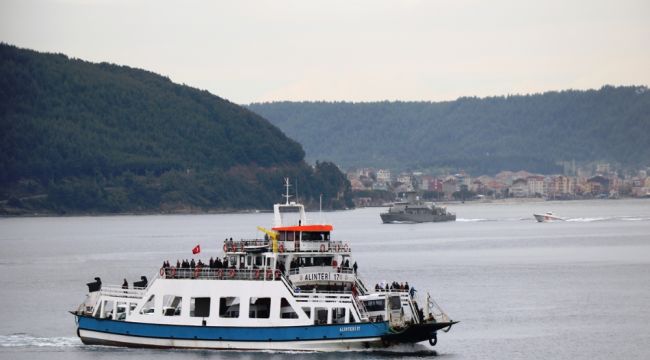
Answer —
293 289
546 217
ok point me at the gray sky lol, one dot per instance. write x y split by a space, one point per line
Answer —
249 51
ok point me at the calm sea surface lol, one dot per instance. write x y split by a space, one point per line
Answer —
578 289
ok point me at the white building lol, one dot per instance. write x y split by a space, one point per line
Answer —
536 186
383 176
519 188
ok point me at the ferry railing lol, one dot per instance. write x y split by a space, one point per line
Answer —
118 291
361 286
240 245
205 273
338 247
310 269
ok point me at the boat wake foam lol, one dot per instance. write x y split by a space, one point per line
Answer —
610 218
472 220
26 340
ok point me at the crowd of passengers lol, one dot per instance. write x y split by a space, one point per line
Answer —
191 264
394 286
322 261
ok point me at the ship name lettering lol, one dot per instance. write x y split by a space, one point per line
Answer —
317 276
349 328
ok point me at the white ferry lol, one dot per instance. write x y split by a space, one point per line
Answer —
292 290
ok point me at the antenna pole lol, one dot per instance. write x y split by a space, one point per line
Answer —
287 196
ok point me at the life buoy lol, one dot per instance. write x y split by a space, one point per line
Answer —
281 248
225 248
162 271
277 274
334 263
257 273
322 247
233 248
232 273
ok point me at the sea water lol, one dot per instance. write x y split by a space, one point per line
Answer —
575 289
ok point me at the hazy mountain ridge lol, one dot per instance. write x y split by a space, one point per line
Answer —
77 136
482 135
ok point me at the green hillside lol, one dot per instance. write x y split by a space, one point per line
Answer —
483 136
78 137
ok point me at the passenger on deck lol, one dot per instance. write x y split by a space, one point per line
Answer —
125 284
406 285
211 263
355 267
192 264
178 264
346 264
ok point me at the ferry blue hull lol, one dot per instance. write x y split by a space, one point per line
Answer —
318 337
123 333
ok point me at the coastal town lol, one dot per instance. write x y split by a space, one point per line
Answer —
373 187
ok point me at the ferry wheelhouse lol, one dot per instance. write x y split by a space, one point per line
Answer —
294 289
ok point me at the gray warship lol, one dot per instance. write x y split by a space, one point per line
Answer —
415 211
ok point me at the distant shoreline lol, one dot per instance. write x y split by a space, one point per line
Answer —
506 201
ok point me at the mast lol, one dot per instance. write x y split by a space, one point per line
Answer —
287 185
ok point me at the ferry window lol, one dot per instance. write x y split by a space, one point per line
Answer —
315 236
260 308
171 305
132 307
258 261
307 311
200 307
352 320
375 305
287 236
338 316
229 307
395 302
147 308
107 309
321 316
286 310
121 311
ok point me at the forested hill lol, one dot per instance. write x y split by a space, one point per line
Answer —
78 137
483 136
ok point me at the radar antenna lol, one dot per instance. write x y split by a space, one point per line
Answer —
287 185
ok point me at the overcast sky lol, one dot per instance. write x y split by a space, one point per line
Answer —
250 51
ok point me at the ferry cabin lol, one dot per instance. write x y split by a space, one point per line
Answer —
308 281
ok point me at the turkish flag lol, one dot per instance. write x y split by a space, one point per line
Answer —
196 250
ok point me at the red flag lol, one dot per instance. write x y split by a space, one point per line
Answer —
196 250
